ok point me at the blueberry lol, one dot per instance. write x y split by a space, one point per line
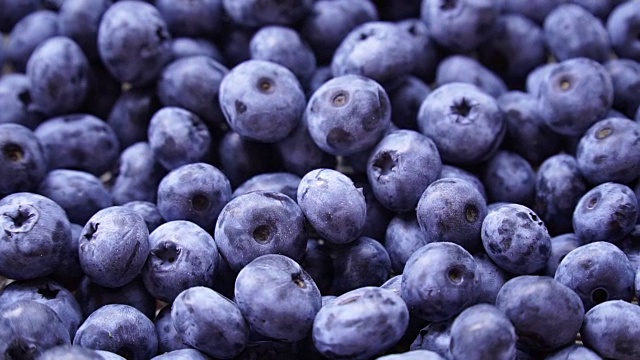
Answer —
425 52
261 100
406 98
256 13
134 42
114 246
625 74
277 297
49 293
168 338
508 177
403 237
194 192
516 46
253 224
444 266
449 171
181 255
535 11
622 26
460 26
69 272
610 151
571 31
537 76
333 205
491 278
193 84
79 193
210 322
360 324
378 50
574 352
149 212
29 328
23 163
452 210
79 20
597 272
183 47
559 186
401 167
72 142
70 352
14 10
435 337
547 321
331 20
284 46
516 239
321 75
607 212
609 329
138 175
191 18
240 158
378 216
561 245
178 137
15 99
527 133
182 354
300 154
465 123
120 329
348 114
36 234
575 94
483 332
362 262
413 355
92 296
130 115
281 182
465 69
31 31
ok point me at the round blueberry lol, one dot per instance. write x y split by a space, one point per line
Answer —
465 69
257 13
92 296
403 237
260 223
138 175
31 31
362 262
23 162
281 182
191 18
444 266
561 245
508 177
348 114
622 25
79 20
610 329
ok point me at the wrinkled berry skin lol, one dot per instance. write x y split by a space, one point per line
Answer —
607 212
574 95
277 297
128 25
516 239
181 255
114 246
452 210
446 267
209 322
465 123
120 329
610 151
559 186
261 100
253 224
597 272
544 322
401 167
29 328
23 162
58 71
610 329
332 205
483 332
348 114
195 192
36 234
344 328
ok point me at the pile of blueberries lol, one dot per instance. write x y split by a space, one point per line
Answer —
320 179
